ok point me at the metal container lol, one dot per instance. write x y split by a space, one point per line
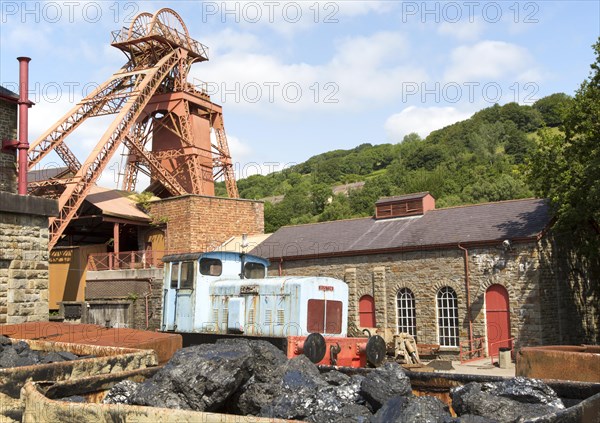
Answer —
106 360
41 407
41 404
563 362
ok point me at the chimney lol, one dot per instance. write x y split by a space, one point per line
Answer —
404 205
24 105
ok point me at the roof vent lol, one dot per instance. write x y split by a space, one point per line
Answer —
404 205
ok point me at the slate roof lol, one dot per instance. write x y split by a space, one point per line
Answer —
46 173
8 94
481 223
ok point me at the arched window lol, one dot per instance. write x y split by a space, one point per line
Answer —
407 321
366 311
447 313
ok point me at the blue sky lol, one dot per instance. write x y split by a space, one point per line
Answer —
299 78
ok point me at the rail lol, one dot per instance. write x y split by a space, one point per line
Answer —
127 260
469 348
511 346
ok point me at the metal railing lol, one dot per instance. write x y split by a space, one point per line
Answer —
126 260
471 350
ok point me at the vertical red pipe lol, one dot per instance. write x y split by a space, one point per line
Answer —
24 105
468 289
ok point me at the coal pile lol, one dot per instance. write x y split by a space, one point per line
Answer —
19 355
254 378
512 400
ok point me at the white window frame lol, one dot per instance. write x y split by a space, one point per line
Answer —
447 317
406 313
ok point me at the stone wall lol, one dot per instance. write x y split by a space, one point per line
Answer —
569 290
201 223
425 272
24 257
8 130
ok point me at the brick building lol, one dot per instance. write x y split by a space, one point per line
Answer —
491 269
23 234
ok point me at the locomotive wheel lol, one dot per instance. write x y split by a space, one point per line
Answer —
315 347
376 350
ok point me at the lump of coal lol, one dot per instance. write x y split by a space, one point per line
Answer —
266 357
472 399
121 393
306 396
402 409
531 391
335 378
384 383
200 378
21 347
52 357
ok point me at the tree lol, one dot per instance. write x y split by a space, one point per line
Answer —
552 108
566 168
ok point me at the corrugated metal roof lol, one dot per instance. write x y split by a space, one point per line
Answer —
516 219
115 203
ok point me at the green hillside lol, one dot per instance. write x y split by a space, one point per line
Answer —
477 160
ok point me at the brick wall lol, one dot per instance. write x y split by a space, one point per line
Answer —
201 223
8 130
425 272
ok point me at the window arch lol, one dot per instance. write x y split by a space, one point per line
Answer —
447 313
366 311
405 305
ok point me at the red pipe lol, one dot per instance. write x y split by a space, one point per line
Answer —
468 289
24 105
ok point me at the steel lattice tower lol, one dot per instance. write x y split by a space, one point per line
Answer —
164 122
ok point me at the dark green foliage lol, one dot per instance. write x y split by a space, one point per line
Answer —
552 108
566 167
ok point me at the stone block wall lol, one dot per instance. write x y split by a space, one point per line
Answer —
424 273
201 223
8 130
24 257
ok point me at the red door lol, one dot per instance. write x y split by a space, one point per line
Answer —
497 315
366 311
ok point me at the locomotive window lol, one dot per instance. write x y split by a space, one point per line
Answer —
254 270
187 275
210 267
324 315
174 275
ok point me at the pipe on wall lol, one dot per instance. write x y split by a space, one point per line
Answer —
468 289
24 105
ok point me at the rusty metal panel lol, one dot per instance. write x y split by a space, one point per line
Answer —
106 360
560 362
163 344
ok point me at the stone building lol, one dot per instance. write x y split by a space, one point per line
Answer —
23 234
487 273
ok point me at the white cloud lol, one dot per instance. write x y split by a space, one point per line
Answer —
422 120
462 30
363 72
490 60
